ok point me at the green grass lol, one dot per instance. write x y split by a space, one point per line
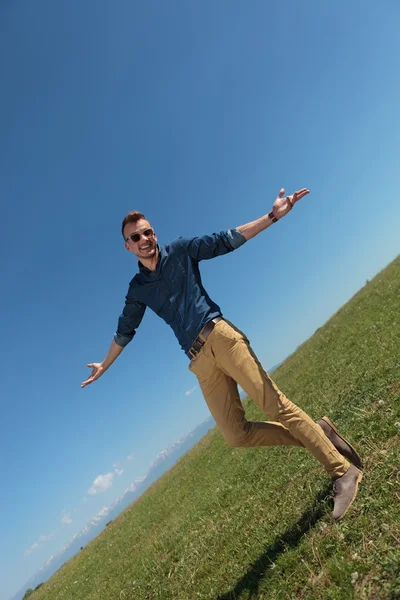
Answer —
230 523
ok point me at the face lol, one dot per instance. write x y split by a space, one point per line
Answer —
146 247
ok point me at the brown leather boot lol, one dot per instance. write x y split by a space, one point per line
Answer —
344 491
339 442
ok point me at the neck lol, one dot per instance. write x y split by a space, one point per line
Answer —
151 263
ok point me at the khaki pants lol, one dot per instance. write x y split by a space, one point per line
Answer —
225 360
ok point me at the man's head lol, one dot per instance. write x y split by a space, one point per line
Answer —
139 236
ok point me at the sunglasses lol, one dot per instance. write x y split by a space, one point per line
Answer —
135 237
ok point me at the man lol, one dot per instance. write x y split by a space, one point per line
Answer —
220 355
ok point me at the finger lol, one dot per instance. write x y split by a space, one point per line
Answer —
84 383
281 193
302 193
93 376
299 195
291 199
90 366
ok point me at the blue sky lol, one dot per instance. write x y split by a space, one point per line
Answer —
195 113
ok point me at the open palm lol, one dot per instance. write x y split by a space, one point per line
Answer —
97 371
283 204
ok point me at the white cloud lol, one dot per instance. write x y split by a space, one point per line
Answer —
31 549
66 519
131 456
46 564
133 486
118 468
101 484
188 392
41 540
101 514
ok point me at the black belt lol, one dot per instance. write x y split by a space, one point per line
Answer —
201 338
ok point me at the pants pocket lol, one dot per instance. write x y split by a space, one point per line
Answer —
229 331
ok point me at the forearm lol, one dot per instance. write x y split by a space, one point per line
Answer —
249 230
99 368
280 208
112 355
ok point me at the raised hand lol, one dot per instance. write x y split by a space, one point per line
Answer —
97 371
283 204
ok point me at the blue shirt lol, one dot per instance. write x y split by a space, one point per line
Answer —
174 290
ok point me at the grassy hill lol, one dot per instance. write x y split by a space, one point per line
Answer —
230 523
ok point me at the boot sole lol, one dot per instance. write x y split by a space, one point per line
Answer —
327 420
359 478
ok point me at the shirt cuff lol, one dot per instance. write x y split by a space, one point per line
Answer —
236 239
122 340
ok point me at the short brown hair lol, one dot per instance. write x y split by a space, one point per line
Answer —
131 217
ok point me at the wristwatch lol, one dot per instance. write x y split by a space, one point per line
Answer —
272 216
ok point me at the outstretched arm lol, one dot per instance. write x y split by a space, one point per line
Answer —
280 208
128 321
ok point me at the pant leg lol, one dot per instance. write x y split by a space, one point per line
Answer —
220 392
234 356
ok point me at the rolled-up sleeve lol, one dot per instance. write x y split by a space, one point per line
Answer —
129 321
216 244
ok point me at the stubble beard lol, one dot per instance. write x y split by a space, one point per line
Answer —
149 253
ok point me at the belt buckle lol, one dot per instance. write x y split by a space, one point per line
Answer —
196 347
192 354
